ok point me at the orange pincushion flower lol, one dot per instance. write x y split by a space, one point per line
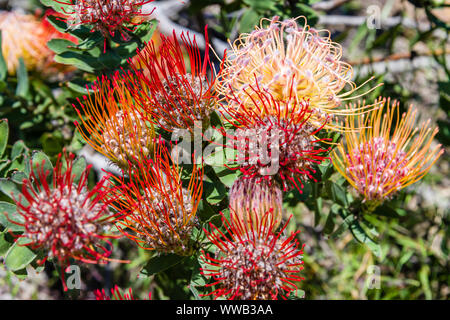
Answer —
159 211
252 262
288 59
113 126
175 94
385 152
30 43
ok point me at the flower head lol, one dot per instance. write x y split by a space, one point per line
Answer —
111 123
106 16
282 145
160 212
289 59
116 294
30 43
63 216
385 151
175 94
252 262
262 198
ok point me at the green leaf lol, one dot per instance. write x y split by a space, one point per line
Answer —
11 210
18 177
344 226
60 45
40 159
4 134
337 193
361 236
214 191
160 263
79 86
78 167
84 62
94 40
248 20
297 294
18 148
197 279
59 6
23 85
330 222
3 66
9 188
51 144
19 256
226 175
4 244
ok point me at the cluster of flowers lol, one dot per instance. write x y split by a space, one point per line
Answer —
283 77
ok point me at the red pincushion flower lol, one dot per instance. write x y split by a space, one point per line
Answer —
64 217
116 294
252 262
282 144
106 16
176 95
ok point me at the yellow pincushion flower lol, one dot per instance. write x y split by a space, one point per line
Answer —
289 59
384 152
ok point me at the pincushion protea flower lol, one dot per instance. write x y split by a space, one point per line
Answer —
165 89
260 197
289 59
252 262
30 43
63 216
106 16
385 152
116 294
283 145
111 123
159 212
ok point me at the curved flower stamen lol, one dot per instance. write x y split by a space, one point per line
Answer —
112 125
385 151
159 211
252 262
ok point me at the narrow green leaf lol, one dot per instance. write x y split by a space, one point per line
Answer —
79 165
83 62
23 85
4 134
59 6
330 222
3 66
4 244
361 236
60 45
19 256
